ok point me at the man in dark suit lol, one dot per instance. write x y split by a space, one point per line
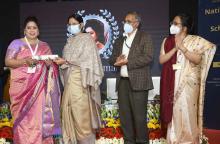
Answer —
132 54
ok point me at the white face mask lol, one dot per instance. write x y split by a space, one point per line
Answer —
128 28
74 29
174 29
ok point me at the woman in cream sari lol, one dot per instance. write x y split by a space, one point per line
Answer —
186 60
82 74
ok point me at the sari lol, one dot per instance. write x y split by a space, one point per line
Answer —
186 123
167 90
35 97
81 100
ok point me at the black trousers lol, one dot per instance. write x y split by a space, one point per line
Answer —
133 113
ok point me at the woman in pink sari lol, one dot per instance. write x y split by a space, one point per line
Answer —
186 61
34 88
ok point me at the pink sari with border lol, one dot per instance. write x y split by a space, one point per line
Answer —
35 97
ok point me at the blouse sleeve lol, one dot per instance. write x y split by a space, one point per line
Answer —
13 49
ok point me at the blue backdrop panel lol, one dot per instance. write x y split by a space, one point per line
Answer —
209 28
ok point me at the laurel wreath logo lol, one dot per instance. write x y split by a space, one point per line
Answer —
110 26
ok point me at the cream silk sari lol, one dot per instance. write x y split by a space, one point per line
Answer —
187 120
81 101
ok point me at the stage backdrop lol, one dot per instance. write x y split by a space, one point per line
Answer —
104 18
209 28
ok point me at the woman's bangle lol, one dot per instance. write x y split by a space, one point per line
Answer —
24 62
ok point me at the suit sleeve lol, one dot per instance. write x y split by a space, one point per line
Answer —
145 57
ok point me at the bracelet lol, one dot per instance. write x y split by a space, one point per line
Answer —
25 62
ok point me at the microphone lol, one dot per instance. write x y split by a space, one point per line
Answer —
125 38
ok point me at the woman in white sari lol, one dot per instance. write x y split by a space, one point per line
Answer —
186 61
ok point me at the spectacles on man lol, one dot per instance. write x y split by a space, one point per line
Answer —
128 21
175 23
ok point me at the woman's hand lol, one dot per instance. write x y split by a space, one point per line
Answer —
48 62
60 61
30 62
179 44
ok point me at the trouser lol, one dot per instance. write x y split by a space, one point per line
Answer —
132 112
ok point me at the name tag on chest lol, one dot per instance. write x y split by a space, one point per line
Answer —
177 66
31 69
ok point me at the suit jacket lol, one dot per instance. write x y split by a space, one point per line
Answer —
139 58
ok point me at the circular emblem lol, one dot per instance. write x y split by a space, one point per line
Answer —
104 29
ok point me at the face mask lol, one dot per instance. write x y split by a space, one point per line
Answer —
73 29
128 28
174 29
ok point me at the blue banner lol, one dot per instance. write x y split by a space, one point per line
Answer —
209 28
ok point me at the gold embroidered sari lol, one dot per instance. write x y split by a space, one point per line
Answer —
187 120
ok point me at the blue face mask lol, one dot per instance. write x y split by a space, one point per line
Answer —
128 28
74 29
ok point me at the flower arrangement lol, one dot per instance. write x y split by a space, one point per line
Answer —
153 120
3 141
110 122
153 115
6 124
110 131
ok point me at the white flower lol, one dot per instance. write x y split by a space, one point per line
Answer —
2 141
158 141
103 140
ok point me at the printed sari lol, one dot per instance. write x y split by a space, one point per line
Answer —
35 97
186 123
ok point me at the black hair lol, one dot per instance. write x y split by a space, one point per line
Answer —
31 19
186 21
98 27
137 17
76 17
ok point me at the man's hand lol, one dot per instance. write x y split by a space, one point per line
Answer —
121 60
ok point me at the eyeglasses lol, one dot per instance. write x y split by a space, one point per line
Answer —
175 23
72 24
128 21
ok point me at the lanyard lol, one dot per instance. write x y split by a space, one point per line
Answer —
36 47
